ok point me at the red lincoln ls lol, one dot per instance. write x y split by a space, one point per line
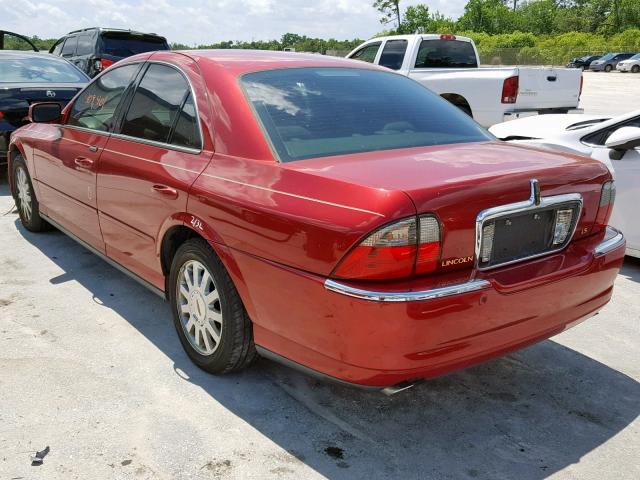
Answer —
323 212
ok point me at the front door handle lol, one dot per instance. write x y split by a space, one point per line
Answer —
166 191
83 162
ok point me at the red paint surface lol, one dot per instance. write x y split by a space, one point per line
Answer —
281 229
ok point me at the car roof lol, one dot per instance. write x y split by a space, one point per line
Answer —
238 61
115 30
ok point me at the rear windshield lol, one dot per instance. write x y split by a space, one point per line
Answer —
318 112
120 45
446 54
38 70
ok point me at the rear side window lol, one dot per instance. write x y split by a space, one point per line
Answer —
69 48
156 103
320 112
186 132
446 54
85 45
393 54
96 106
368 53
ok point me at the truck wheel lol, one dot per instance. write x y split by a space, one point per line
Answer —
608 68
635 69
25 197
208 314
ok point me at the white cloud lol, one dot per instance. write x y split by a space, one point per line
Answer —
206 21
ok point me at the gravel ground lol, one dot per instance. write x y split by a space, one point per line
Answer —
90 365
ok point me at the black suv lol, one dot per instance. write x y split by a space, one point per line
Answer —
94 49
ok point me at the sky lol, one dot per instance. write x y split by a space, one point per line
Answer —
193 22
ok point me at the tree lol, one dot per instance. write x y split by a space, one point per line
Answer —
417 19
390 10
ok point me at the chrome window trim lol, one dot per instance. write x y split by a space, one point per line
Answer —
534 203
167 146
421 295
611 244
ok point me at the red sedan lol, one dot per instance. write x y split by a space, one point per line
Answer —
323 212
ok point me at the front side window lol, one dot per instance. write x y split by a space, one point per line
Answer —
96 106
368 53
69 48
393 54
156 103
319 112
600 137
446 54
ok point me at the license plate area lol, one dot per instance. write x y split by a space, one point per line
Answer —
513 237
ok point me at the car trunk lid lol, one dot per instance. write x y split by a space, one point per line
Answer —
457 182
15 99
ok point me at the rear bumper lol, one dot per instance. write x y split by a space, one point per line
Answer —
425 328
522 113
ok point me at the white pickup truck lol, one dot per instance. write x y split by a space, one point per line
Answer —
449 65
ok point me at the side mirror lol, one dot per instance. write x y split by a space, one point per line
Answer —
46 112
623 139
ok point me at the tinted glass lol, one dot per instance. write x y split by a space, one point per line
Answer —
126 45
156 103
57 49
368 53
393 54
69 48
186 132
85 45
600 137
608 56
96 106
446 54
316 112
38 69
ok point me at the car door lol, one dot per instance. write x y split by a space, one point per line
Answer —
148 166
66 172
625 210
84 52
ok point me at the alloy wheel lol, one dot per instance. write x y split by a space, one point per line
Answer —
24 193
199 308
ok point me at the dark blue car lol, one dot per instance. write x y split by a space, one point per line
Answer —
28 77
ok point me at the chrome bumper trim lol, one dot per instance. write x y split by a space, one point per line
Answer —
432 294
611 244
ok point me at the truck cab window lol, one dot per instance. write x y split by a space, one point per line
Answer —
393 54
368 53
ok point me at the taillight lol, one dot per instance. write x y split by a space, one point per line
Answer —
607 199
102 64
447 37
398 250
510 89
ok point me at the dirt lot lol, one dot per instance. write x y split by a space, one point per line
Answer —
90 365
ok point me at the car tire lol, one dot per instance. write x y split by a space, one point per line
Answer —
208 313
635 69
608 68
25 198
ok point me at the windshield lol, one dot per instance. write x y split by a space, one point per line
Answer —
39 69
318 112
119 45
635 57
608 56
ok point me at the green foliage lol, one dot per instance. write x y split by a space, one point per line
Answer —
390 10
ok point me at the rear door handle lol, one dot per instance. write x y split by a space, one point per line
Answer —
166 191
93 148
83 162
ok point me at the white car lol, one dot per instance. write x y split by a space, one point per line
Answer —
613 141
631 65
449 65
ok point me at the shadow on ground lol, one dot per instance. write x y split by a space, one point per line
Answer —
631 269
523 416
